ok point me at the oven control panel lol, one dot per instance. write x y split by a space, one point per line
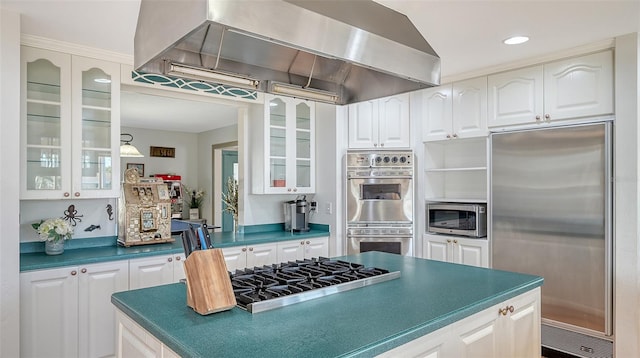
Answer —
370 159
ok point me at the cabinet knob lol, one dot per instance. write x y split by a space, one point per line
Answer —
455 241
547 116
449 240
375 144
301 242
448 136
74 272
170 259
244 249
503 311
455 135
295 189
178 258
382 144
66 194
76 194
511 309
84 270
251 249
537 117
308 242
289 189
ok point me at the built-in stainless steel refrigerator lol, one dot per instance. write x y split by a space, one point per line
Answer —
550 215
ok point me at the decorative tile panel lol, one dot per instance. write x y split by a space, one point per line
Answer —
193 85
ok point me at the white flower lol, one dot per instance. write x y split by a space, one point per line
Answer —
53 229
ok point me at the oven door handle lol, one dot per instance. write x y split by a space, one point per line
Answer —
349 177
392 236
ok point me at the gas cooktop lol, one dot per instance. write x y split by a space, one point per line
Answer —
264 288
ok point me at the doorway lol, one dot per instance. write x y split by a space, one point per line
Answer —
229 169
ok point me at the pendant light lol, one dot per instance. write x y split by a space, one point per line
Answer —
127 149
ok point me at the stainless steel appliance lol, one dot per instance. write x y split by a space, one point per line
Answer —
296 214
457 219
379 196
264 288
551 211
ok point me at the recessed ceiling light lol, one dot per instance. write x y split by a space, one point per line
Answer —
102 80
516 40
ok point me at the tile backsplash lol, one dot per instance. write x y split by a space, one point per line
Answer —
88 212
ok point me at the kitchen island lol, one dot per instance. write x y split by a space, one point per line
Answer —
426 305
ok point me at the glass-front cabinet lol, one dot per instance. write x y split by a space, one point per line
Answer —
70 126
289 146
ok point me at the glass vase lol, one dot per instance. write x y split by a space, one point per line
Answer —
54 247
236 228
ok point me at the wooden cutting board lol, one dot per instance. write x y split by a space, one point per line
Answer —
208 284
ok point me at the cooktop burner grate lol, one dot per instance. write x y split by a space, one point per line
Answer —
263 288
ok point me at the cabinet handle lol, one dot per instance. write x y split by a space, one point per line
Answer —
76 194
84 270
74 272
170 259
251 249
177 258
244 249
537 117
66 194
547 116
455 135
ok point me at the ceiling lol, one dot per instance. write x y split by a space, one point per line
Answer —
466 34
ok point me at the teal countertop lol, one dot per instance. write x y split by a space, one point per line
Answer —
112 252
362 322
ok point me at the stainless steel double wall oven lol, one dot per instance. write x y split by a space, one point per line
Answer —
379 195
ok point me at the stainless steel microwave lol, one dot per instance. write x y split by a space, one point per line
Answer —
457 219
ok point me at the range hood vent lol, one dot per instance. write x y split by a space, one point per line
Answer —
349 50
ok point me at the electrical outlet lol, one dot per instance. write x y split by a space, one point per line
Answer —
328 208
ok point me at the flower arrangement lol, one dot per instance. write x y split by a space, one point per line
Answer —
195 197
231 198
53 230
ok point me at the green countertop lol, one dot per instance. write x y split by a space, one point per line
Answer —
112 252
362 322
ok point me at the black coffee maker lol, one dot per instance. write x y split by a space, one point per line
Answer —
296 214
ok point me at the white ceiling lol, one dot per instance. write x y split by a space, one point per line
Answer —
466 34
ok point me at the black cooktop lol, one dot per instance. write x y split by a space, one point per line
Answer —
262 288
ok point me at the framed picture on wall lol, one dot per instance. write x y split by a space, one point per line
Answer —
138 166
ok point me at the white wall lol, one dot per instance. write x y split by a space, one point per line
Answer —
9 183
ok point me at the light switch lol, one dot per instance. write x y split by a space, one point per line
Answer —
328 208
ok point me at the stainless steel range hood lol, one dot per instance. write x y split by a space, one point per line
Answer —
356 49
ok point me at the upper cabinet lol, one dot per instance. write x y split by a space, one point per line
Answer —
289 147
457 110
380 123
70 126
573 88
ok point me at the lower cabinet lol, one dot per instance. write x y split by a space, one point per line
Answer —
240 257
509 329
135 341
155 270
303 249
474 252
67 312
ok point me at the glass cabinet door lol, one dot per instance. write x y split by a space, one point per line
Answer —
45 93
96 151
277 143
303 145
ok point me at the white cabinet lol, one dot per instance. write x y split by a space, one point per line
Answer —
288 155
155 271
70 126
135 341
457 110
303 249
381 123
573 88
508 329
456 170
455 249
67 312
240 257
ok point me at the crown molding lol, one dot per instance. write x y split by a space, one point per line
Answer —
531 61
74 49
